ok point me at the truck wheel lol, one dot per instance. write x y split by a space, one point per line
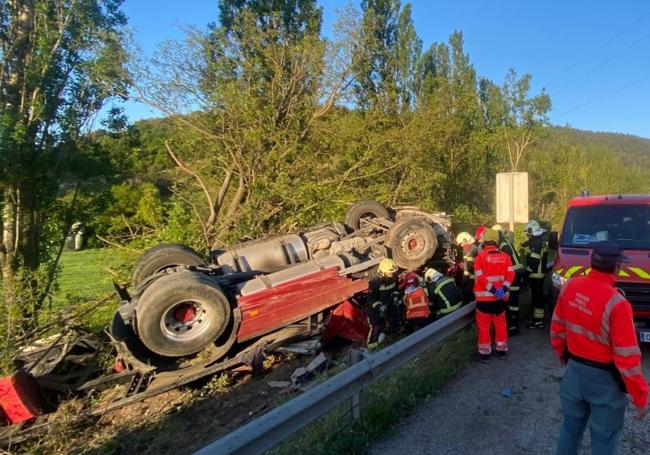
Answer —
181 314
412 242
364 210
163 257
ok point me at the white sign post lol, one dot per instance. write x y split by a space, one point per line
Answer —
512 198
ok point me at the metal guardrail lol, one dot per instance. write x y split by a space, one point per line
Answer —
277 425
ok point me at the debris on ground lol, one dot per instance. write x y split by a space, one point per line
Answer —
303 375
279 384
306 347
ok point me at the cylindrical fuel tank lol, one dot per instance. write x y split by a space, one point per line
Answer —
266 257
268 281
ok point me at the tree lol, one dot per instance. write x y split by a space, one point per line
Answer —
523 117
61 60
259 84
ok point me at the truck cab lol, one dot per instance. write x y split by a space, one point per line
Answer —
624 219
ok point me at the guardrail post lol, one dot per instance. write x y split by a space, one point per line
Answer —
355 356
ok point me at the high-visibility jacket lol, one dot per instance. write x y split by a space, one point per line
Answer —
444 295
593 321
536 250
383 291
493 269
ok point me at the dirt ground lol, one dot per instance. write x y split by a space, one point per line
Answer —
470 416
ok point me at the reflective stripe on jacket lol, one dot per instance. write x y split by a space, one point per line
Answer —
446 292
493 269
510 250
536 250
593 321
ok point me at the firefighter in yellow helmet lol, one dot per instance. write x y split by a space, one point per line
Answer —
512 309
383 301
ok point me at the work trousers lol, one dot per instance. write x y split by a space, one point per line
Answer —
484 323
538 299
512 310
590 394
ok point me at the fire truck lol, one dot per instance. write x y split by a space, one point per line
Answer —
624 219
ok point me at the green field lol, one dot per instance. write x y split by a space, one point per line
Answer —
88 276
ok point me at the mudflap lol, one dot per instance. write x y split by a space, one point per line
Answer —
349 322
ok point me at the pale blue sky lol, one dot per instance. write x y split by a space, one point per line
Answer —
592 56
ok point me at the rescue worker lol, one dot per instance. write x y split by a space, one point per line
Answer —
512 309
494 276
592 332
443 294
383 301
416 303
465 240
536 251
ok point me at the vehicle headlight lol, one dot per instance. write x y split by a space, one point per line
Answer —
558 280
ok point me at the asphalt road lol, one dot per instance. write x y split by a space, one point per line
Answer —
470 415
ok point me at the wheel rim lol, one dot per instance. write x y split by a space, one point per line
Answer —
187 320
413 244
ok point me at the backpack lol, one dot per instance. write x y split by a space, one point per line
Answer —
417 304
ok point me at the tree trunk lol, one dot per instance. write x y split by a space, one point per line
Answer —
8 257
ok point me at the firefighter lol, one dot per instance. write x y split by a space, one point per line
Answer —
443 294
593 333
512 309
536 252
383 299
494 276
466 241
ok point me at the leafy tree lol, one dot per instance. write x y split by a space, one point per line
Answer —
523 117
61 60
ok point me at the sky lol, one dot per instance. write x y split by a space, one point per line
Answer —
593 57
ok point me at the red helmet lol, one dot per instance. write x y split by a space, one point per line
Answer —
480 231
410 279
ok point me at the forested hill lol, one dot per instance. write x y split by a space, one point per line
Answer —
635 148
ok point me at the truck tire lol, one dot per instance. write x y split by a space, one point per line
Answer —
412 242
163 257
181 314
361 210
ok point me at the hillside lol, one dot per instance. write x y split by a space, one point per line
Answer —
632 148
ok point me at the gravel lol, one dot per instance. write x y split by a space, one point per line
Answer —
471 415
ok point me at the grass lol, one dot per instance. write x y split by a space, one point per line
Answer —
384 402
88 276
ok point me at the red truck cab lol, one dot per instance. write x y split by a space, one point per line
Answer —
624 219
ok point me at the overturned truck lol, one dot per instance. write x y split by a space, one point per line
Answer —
182 305
185 317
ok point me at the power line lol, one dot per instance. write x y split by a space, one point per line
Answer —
622 31
595 100
602 64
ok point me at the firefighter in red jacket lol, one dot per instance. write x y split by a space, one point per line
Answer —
593 333
494 275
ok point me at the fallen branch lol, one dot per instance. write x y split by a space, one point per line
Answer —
117 245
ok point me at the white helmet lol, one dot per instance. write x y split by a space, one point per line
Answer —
431 275
533 228
464 238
